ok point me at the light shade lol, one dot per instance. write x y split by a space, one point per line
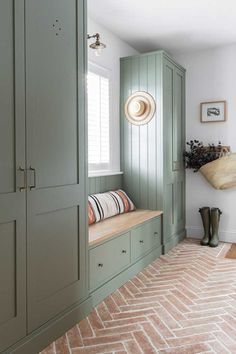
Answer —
97 45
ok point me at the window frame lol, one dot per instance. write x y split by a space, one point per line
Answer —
106 73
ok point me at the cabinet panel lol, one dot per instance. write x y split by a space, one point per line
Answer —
168 117
145 237
179 147
108 259
180 202
178 124
12 155
55 102
56 231
169 208
7 271
169 151
7 121
51 48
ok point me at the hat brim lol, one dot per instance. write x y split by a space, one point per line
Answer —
146 116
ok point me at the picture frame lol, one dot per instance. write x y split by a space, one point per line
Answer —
213 112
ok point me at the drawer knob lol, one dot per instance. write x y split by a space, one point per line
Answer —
141 241
100 265
155 233
123 251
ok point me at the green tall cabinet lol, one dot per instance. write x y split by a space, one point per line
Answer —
152 154
43 221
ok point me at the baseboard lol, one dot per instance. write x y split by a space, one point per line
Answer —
173 241
42 337
101 293
225 236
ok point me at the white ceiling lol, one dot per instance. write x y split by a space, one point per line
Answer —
174 25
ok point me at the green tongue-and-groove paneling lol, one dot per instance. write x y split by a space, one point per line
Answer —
152 154
104 183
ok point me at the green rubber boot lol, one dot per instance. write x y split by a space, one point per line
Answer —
205 214
215 220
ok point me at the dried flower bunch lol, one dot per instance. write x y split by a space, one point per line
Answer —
198 155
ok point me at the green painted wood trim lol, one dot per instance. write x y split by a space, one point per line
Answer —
104 183
100 294
83 30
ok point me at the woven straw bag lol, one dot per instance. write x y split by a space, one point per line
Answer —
221 173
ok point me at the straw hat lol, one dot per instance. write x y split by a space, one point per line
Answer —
140 108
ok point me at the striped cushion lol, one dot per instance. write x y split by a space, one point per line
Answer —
104 205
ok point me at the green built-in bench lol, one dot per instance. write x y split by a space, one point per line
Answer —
121 246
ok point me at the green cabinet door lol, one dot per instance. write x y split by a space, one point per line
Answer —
174 133
56 205
169 149
12 157
178 150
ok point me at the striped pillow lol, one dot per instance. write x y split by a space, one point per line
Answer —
104 205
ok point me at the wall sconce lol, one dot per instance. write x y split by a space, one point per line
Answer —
97 45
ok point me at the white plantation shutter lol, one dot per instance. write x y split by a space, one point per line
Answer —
98 121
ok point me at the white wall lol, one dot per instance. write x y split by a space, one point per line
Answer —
211 75
110 59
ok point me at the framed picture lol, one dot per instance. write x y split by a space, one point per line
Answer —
213 111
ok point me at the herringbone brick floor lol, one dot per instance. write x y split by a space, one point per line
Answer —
183 303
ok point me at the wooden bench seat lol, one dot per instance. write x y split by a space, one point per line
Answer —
119 224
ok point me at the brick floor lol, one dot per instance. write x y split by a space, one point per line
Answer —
183 303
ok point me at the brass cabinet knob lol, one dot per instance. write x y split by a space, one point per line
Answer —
124 251
141 241
100 265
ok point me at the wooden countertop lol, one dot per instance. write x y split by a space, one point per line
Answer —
118 224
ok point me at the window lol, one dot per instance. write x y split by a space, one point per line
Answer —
99 155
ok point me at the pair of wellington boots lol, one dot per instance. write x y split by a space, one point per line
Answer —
210 220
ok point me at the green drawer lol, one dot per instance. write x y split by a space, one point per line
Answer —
108 259
145 237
